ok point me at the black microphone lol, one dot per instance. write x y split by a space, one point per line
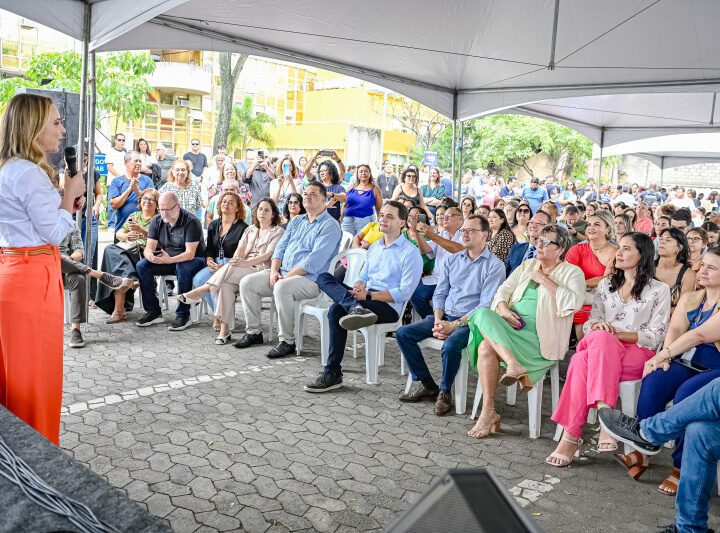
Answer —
71 162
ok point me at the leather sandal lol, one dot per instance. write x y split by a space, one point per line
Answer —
486 426
669 486
517 374
635 462
565 460
613 445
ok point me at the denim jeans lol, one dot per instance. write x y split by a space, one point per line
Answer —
355 224
202 277
344 301
697 419
421 299
184 271
408 338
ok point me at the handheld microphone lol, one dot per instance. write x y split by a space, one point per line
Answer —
71 162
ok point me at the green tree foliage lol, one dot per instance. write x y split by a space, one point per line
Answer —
246 127
507 142
122 80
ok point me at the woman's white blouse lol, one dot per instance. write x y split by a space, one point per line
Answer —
30 213
647 316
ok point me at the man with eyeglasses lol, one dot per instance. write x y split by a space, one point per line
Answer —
124 191
304 252
197 158
175 247
522 251
389 277
443 244
114 159
468 281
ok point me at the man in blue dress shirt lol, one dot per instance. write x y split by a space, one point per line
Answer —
391 273
468 281
304 251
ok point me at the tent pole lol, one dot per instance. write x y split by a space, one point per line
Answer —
662 170
456 182
602 145
553 44
461 143
92 100
82 119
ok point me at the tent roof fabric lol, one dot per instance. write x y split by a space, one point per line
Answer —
669 152
462 58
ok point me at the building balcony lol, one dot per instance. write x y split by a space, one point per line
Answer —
181 77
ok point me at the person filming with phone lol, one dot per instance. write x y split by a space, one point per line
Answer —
258 176
34 220
527 327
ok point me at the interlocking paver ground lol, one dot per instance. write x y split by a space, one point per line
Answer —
253 451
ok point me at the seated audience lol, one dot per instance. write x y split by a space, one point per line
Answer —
501 238
672 266
388 279
519 225
293 207
124 190
511 206
443 244
223 235
682 220
408 189
252 254
230 184
595 258
434 191
697 421
304 251
468 280
551 209
175 247
420 241
627 323
362 201
468 206
522 251
180 182
575 224
74 280
697 241
121 259
623 225
713 232
483 210
527 328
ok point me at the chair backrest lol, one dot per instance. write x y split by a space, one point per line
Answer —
346 240
356 258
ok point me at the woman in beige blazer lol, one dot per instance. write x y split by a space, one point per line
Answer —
527 328
254 253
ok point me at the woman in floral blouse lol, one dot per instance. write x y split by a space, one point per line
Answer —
180 182
501 236
627 325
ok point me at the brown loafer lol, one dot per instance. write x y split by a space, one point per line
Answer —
419 393
443 404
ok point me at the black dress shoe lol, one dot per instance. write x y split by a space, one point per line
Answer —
357 318
626 429
419 393
283 349
249 339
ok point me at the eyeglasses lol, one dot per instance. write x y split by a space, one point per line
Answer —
168 209
120 140
195 144
523 210
294 202
546 242
469 231
694 239
148 201
440 217
452 215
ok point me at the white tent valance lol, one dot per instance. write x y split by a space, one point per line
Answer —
670 152
462 58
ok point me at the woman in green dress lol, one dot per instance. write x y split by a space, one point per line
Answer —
527 328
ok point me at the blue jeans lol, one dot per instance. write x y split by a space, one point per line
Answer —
408 338
355 224
697 419
202 277
421 299
676 384
184 271
344 301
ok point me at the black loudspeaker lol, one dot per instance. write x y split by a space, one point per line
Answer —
463 501
68 105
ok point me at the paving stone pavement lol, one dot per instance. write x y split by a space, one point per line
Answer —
212 438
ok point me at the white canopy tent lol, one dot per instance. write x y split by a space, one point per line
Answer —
462 58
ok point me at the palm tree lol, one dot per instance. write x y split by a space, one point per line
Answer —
246 126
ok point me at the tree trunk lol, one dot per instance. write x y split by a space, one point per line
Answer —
229 75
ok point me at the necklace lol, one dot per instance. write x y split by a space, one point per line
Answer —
598 249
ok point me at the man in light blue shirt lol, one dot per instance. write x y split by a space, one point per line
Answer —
535 195
304 251
468 281
391 273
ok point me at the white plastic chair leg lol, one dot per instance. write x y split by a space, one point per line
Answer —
629 393
461 380
273 314
409 383
403 371
555 385
371 357
299 326
164 293
512 394
477 400
324 340
535 408
354 344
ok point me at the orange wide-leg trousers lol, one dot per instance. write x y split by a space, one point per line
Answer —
31 339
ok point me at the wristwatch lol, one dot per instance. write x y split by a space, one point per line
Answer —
461 323
368 295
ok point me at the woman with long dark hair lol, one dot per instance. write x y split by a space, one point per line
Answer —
362 201
468 205
34 220
627 324
519 226
408 189
501 237
293 207
673 264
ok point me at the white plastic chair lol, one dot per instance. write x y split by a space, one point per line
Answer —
273 315
345 241
164 291
460 384
319 307
66 307
375 348
629 393
535 396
